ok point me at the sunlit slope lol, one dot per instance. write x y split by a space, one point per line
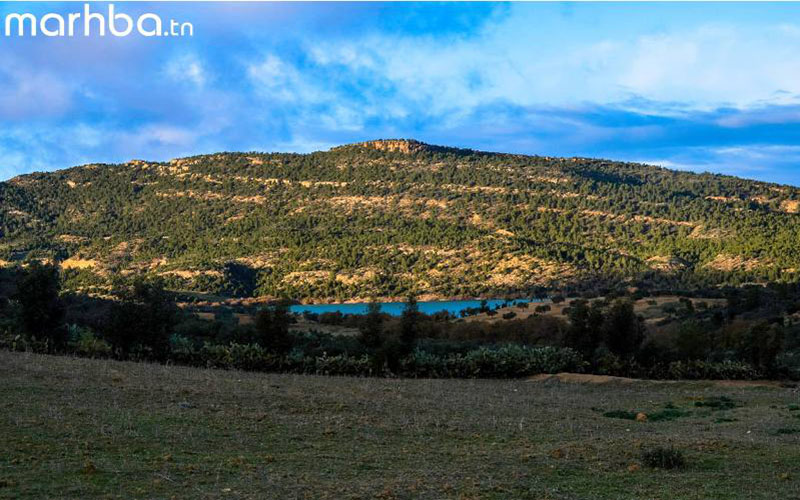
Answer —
387 217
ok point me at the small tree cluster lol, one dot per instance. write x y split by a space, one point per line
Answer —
141 319
41 309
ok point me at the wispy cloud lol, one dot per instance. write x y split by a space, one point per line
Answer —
687 86
187 68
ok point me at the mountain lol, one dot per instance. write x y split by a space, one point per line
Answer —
383 218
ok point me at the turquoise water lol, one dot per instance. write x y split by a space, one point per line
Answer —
454 307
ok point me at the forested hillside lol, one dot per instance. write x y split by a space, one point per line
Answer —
385 218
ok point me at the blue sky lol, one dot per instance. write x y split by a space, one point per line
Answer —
706 87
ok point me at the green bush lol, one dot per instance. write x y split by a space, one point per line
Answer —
717 403
705 370
788 364
342 365
663 458
20 343
508 361
667 414
623 414
182 348
84 342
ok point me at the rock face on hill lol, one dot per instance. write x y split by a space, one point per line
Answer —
387 217
400 145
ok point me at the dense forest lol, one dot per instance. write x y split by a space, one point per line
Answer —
394 217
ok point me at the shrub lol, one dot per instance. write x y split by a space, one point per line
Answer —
21 343
182 349
343 365
509 315
717 403
623 414
85 343
663 458
606 362
704 370
508 361
788 364
215 356
331 318
667 414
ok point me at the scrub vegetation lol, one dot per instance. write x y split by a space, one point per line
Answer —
390 218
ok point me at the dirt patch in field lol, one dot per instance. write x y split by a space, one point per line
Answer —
582 378
747 383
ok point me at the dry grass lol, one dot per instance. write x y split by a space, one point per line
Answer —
74 428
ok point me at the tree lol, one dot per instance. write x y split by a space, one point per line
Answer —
272 327
583 333
623 330
761 345
41 308
372 328
239 280
142 318
409 324
693 340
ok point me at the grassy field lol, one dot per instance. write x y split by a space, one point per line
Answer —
75 428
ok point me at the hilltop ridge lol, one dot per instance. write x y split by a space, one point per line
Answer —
406 146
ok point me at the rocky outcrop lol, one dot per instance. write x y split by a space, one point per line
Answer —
400 145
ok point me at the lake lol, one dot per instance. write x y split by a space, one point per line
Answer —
454 307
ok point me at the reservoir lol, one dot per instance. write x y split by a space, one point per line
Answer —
454 307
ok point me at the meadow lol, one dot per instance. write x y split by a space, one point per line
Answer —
81 428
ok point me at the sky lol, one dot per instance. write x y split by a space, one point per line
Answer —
692 86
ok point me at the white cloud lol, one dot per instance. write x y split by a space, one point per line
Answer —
701 67
281 81
187 68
